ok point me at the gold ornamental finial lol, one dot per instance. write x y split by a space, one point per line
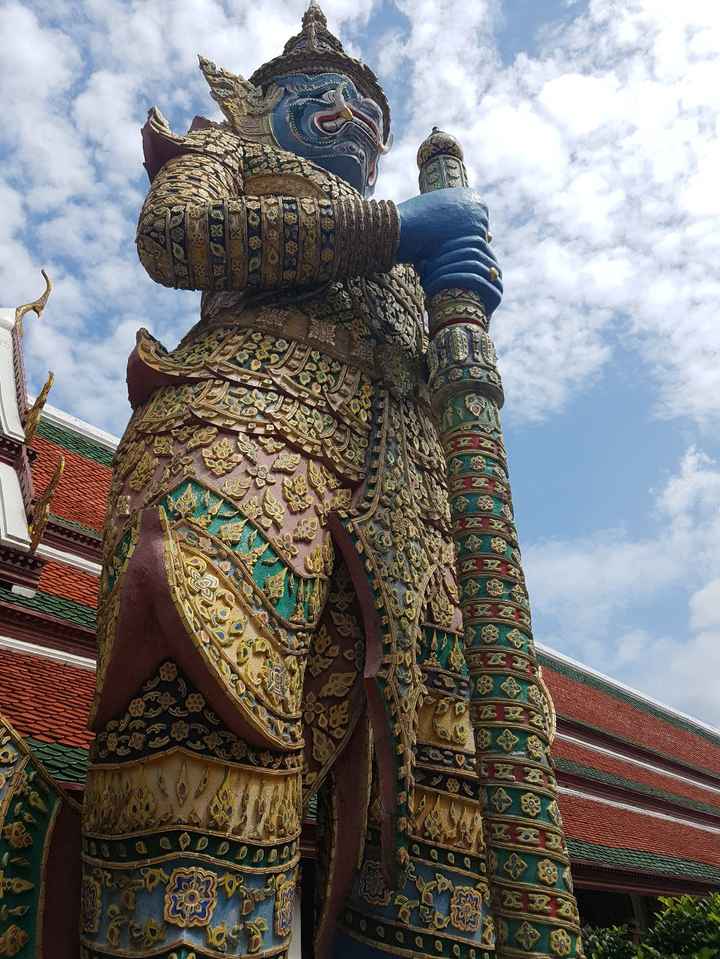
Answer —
37 306
33 417
41 513
548 708
439 143
244 104
313 17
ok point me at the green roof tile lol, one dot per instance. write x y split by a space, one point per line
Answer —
68 764
598 775
67 609
639 861
73 524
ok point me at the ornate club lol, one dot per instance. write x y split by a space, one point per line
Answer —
528 864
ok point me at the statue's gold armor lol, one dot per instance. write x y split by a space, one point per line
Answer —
284 468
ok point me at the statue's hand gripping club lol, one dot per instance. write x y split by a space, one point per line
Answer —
444 231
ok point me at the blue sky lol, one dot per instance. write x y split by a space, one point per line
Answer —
592 127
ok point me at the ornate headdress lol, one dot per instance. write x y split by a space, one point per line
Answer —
316 50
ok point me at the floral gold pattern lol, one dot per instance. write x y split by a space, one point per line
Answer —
190 897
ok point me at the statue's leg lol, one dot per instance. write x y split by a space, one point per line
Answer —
191 820
442 907
190 836
39 856
337 748
217 565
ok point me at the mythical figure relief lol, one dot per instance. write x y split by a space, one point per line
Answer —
282 587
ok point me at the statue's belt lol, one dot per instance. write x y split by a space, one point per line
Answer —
387 362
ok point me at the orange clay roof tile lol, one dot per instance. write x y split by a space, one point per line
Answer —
84 488
70 583
46 699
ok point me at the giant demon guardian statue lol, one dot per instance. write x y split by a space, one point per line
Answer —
309 502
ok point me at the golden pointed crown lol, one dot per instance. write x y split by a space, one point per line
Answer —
316 50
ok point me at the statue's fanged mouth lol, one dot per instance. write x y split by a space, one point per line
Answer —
335 121
343 113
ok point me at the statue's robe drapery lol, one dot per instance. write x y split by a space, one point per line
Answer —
278 547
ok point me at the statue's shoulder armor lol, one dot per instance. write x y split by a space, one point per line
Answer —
204 138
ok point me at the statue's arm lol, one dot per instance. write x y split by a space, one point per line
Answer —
198 231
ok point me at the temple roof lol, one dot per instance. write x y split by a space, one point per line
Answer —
603 708
82 494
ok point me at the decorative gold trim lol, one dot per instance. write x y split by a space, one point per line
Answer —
475 876
41 510
277 951
245 106
531 850
176 790
550 711
419 930
189 854
36 307
33 415
293 771
10 793
532 888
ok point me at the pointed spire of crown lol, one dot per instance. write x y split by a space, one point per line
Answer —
317 50
314 13
314 34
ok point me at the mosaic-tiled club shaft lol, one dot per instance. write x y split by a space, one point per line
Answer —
528 864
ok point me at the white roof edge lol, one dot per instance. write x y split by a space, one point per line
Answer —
59 655
60 418
643 697
69 559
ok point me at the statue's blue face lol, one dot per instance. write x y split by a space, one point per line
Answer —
325 119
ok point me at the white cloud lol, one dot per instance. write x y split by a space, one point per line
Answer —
679 672
705 607
586 592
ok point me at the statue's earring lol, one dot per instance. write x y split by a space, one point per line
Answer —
386 147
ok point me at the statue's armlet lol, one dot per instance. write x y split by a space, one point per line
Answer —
199 231
188 174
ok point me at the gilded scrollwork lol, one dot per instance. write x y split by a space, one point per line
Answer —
30 803
175 801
